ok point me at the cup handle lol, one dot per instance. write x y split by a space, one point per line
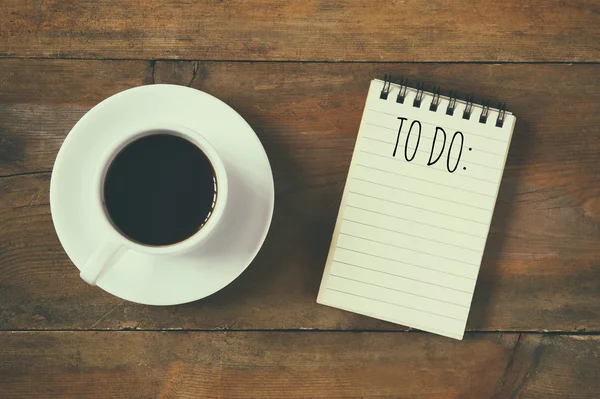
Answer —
101 260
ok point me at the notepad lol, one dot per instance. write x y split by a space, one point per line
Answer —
416 208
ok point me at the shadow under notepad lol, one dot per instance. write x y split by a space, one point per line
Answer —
480 316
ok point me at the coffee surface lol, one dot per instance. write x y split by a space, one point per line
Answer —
160 190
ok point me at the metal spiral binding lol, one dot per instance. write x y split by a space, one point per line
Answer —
403 88
387 83
436 100
468 107
451 103
501 115
419 95
485 112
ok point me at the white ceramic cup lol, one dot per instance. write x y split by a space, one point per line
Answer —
114 243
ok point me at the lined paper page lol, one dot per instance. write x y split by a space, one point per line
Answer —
412 225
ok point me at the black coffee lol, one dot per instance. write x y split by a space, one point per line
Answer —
160 190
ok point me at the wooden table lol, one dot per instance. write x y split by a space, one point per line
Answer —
298 71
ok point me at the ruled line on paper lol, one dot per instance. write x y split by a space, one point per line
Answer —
412 235
396 304
385 155
397 290
383 127
424 195
432 124
416 207
423 136
415 221
398 297
392 314
407 263
425 166
400 276
427 152
427 181
411 249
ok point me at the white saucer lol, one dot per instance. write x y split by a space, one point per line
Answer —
166 279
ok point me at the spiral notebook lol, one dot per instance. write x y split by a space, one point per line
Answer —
416 208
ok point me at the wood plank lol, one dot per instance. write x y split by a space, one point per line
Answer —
541 267
282 365
296 365
307 30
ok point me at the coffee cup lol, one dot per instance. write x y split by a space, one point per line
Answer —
161 190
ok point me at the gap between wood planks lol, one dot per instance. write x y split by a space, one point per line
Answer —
25 174
296 330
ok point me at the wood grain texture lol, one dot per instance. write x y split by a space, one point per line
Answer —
30 91
365 30
296 365
541 267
